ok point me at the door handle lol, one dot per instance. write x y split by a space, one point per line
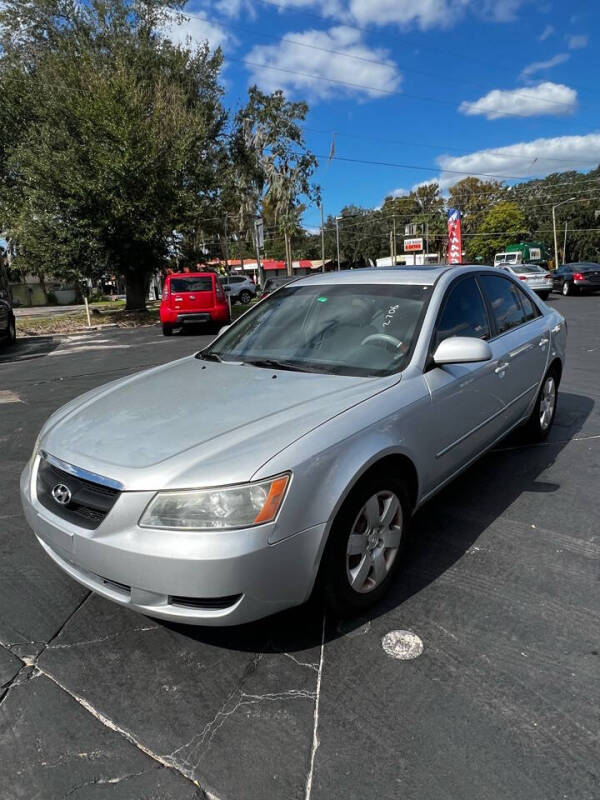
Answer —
502 367
542 342
556 328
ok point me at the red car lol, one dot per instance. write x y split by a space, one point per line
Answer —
193 297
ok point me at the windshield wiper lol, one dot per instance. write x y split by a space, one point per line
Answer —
273 363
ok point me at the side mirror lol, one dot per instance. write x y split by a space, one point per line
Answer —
462 350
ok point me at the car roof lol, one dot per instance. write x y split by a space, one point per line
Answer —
423 276
190 274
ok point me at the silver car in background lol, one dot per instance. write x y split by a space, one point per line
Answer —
292 451
537 278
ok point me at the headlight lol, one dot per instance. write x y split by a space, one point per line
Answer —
221 508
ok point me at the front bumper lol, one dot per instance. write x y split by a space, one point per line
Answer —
202 578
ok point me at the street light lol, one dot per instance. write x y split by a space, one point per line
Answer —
570 200
337 239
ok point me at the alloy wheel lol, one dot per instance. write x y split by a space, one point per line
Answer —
547 402
374 542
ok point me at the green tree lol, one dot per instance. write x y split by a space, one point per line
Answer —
122 145
503 224
271 166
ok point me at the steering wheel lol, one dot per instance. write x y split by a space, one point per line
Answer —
382 338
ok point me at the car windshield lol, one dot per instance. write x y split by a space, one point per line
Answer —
361 329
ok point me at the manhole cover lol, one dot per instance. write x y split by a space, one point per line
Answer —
402 645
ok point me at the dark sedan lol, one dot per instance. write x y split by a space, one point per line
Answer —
572 278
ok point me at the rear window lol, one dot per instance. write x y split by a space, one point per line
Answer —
201 284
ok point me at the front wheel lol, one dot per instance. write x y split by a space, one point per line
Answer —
365 545
544 410
12 331
245 297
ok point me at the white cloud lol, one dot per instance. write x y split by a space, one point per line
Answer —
538 66
578 41
406 13
544 99
370 72
399 193
546 33
538 158
194 29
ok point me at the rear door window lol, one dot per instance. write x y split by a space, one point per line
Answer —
505 302
203 283
463 313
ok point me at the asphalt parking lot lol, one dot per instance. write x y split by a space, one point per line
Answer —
500 583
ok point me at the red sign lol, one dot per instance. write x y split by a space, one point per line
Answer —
454 237
410 245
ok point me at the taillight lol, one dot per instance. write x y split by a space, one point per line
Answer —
577 276
522 277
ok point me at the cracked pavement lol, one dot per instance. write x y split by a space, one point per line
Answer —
500 583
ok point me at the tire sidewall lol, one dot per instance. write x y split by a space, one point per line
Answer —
566 289
12 331
535 430
340 597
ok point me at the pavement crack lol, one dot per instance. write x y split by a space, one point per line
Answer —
117 779
315 737
108 723
102 638
194 748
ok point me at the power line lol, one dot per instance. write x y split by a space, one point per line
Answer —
365 87
375 62
445 147
493 65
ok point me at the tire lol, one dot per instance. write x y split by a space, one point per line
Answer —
167 329
567 289
542 417
245 297
12 331
544 295
372 567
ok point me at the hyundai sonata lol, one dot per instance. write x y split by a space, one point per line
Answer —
293 450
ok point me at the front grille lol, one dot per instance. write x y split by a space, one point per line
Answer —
89 504
204 602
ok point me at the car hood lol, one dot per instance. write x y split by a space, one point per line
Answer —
196 423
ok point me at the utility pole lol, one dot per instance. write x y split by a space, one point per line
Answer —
394 242
226 245
554 228
565 244
337 239
322 238
261 272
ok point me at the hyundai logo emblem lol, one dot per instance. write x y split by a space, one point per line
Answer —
62 494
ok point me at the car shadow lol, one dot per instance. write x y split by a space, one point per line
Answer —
27 348
442 532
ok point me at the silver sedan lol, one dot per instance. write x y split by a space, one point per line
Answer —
291 453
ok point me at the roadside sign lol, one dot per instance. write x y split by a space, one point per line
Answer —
410 245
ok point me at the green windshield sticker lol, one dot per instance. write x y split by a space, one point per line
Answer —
322 299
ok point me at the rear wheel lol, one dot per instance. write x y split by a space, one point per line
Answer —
568 289
167 329
544 410
544 295
365 545
245 297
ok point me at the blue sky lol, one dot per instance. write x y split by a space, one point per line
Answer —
443 87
